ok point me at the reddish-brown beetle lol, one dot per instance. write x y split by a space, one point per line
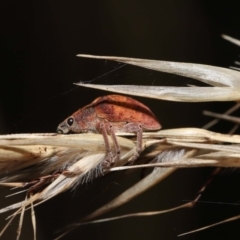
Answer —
108 115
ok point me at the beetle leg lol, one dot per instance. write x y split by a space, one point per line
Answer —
139 139
135 128
115 142
139 148
109 158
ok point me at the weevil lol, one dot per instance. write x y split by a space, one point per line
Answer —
108 115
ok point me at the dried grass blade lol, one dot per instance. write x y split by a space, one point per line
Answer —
63 183
7 225
177 94
187 163
51 139
231 39
11 217
12 184
214 76
222 116
212 225
12 207
134 191
131 215
33 217
215 121
150 180
208 146
193 135
23 150
19 230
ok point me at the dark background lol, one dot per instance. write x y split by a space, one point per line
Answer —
39 41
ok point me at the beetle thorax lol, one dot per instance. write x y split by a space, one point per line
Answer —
85 119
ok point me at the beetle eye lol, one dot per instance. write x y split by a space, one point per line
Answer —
70 121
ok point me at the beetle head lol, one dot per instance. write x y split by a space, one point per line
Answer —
68 125
81 121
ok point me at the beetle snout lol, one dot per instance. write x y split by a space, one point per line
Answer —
62 129
59 131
